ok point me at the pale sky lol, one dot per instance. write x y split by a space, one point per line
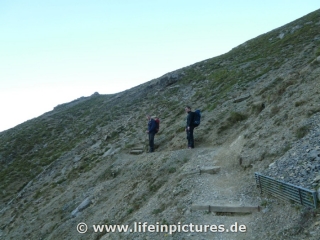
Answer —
54 51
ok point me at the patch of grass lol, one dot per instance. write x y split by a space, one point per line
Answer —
237 117
180 129
285 148
264 203
154 188
282 88
274 110
211 106
304 219
109 173
313 110
129 145
138 202
85 166
37 195
164 160
299 103
233 118
159 210
164 222
61 181
257 107
302 131
272 85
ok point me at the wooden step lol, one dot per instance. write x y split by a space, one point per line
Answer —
137 148
226 209
136 151
209 170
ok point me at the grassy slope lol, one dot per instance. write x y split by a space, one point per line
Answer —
261 64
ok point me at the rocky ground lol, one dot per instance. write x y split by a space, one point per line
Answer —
300 165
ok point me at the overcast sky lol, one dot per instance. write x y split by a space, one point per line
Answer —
54 51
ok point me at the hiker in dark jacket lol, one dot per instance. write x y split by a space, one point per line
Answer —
190 127
151 131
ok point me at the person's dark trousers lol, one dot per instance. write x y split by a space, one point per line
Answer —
151 141
190 137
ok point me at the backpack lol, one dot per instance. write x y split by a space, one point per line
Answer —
157 120
197 118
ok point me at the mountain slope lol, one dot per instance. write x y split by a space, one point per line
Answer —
257 101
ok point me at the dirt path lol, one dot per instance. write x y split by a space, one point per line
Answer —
230 187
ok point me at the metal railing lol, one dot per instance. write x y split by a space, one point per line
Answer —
286 191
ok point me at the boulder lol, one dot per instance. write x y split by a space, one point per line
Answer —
96 145
110 152
77 158
314 154
242 98
317 179
258 106
85 203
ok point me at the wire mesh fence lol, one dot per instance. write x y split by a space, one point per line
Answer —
286 191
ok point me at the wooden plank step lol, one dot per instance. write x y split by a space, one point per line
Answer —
209 170
136 151
226 209
138 148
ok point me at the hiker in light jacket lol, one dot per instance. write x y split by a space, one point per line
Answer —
151 131
190 127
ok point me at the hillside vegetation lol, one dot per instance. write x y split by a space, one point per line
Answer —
257 102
